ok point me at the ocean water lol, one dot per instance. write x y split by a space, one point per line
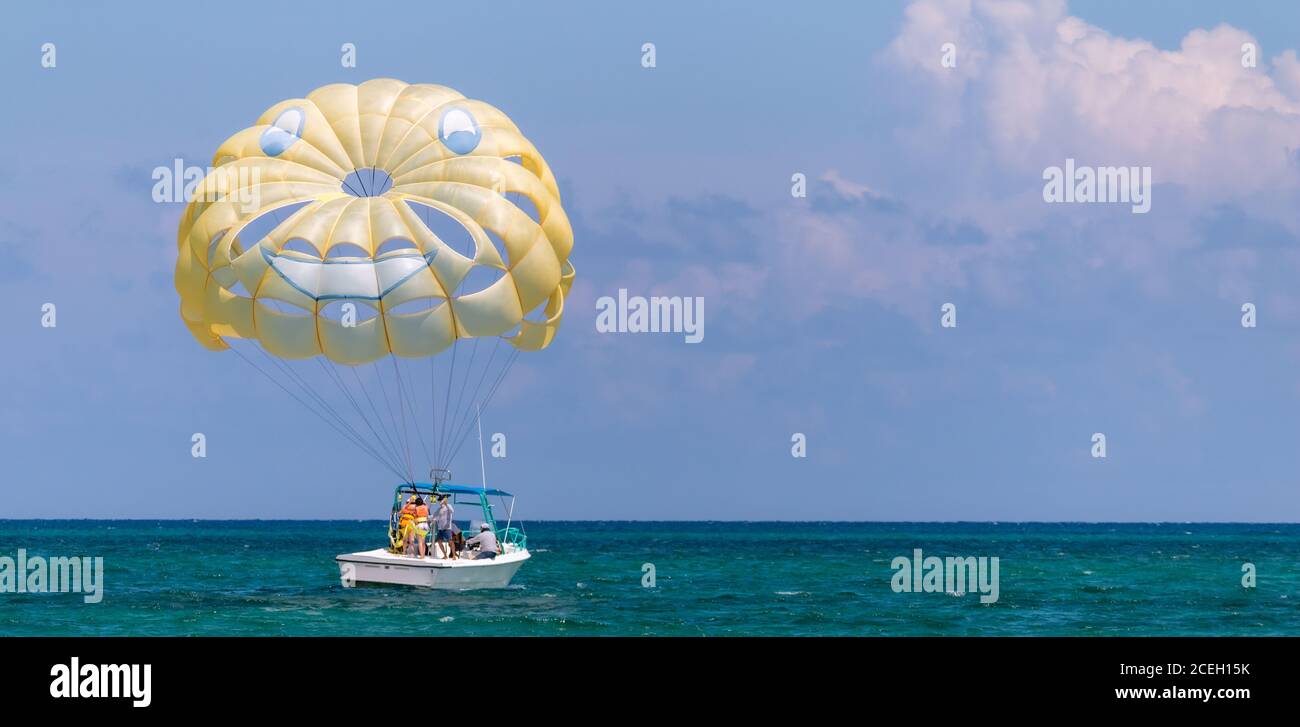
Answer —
585 578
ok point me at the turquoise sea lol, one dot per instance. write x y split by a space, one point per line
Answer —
585 578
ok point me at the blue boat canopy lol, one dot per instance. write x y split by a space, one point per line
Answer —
444 488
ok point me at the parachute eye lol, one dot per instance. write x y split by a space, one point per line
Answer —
459 131
283 132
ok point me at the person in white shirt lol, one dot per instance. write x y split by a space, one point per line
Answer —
486 540
443 524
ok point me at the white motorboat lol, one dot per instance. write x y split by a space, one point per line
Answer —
468 570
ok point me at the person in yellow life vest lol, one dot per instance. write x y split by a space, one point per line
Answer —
406 524
421 529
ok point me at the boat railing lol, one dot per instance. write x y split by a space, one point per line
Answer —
513 536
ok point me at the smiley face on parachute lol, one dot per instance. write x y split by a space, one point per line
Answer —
350 181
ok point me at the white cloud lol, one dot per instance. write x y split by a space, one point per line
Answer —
1033 86
1045 85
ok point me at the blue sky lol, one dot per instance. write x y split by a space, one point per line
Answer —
822 313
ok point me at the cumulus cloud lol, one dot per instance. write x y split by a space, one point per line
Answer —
1043 85
961 217
1034 86
856 244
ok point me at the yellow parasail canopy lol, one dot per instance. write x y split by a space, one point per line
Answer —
325 163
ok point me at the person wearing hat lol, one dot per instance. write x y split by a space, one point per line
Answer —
486 541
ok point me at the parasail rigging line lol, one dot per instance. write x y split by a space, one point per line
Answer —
375 410
411 399
405 441
308 407
332 374
478 387
446 399
310 391
460 393
510 362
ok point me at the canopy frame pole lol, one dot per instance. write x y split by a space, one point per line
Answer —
510 516
482 463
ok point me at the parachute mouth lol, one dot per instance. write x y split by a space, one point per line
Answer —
353 278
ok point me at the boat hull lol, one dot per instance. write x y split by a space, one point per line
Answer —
374 567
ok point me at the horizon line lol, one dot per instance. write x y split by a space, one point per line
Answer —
586 520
